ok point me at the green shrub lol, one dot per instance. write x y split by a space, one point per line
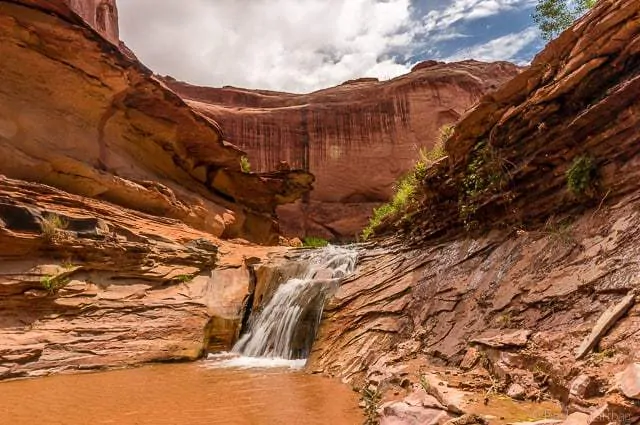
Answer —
51 225
182 278
52 283
581 175
485 174
314 242
405 189
245 165
446 131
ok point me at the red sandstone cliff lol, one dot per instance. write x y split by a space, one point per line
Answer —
504 269
115 198
102 15
78 114
357 138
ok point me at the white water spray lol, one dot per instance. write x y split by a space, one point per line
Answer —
286 327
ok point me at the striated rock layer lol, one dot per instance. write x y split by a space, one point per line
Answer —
499 268
357 138
77 114
115 200
102 15
114 287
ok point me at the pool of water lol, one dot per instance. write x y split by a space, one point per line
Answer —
176 394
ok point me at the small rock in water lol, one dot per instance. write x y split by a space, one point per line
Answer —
577 418
399 413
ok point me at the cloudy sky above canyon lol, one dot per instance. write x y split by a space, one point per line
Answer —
305 45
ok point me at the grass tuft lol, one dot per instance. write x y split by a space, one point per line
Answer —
405 189
581 176
314 242
52 225
245 165
52 284
183 278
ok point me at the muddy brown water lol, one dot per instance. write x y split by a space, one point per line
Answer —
189 394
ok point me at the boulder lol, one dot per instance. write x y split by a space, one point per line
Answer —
629 381
400 413
516 391
583 386
470 358
518 338
577 418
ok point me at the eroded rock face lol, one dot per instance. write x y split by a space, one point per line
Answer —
531 286
111 287
114 197
509 157
102 15
357 138
77 114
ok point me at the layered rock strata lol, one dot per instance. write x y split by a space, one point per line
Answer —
77 114
357 138
517 266
116 199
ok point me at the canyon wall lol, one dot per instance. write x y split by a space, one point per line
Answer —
79 115
117 203
357 138
504 269
101 15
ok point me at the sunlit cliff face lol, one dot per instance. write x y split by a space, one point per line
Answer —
102 15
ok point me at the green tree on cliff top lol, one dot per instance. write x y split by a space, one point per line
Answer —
555 16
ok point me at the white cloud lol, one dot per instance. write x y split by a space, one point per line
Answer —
437 21
304 45
292 45
503 48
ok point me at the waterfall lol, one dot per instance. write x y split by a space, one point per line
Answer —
286 327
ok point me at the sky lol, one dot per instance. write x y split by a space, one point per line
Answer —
305 45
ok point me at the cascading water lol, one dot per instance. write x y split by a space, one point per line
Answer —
287 325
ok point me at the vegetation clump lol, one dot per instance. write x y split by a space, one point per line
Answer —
314 242
581 176
405 188
485 174
245 165
183 278
554 16
371 397
52 225
52 284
